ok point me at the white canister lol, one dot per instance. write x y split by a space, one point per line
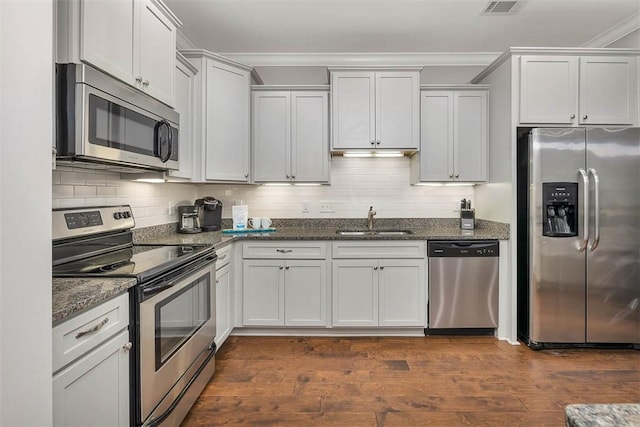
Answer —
240 215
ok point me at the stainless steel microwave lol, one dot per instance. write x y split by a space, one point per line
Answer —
103 123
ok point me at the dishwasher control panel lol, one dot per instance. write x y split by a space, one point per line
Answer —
463 248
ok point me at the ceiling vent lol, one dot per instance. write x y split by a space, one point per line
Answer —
502 7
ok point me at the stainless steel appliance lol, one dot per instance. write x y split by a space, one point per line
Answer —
211 213
172 306
463 284
189 221
102 123
579 236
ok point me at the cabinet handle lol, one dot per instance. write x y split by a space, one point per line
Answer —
145 83
585 117
284 251
287 267
127 346
93 329
293 177
287 176
457 175
139 79
373 142
375 267
246 175
281 267
450 175
382 267
378 142
573 116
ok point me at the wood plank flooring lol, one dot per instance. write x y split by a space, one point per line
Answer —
435 381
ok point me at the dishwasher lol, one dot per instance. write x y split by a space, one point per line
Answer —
463 284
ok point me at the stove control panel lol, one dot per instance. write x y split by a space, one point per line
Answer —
68 223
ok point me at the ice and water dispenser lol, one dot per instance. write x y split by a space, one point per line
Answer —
560 209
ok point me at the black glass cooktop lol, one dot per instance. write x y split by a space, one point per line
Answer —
140 261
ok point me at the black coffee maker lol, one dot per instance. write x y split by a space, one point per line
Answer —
210 211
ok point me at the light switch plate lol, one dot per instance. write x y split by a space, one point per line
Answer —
326 206
305 206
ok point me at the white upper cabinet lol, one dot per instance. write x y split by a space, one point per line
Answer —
133 40
375 110
290 135
222 116
184 105
454 134
578 90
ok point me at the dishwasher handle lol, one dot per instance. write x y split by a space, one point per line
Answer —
463 248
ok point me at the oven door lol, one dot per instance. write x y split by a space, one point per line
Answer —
177 328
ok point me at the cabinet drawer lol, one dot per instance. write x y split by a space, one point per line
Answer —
82 333
387 249
224 256
288 250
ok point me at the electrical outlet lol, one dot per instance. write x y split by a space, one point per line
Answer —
326 206
305 206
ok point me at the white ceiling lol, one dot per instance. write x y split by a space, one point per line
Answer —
366 26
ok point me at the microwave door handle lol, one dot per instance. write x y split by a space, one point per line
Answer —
169 141
158 147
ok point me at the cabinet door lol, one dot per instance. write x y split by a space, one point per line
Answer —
470 136
157 53
227 123
94 391
353 110
402 289
223 304
355 292
305 291
272 136
310 136
548 89
608 90
184 106
263 293
436 146
104 44
397 110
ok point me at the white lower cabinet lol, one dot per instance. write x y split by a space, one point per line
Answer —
93 389
385 292
223 305
284 292
284 284
389 291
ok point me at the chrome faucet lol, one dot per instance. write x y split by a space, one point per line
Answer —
370 218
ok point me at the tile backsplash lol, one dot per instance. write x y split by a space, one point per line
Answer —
152 204
356 184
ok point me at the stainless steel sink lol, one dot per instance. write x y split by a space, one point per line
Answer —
374 232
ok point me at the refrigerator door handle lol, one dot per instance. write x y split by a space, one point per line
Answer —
585 210
596 209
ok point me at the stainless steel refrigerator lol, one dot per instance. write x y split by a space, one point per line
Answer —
579 236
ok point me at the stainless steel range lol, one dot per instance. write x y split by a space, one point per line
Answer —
172 306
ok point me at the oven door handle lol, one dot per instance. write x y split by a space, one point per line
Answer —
156 289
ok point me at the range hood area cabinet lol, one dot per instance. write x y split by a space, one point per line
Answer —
291 134
375 108
132 40
222 117
577 90
454 134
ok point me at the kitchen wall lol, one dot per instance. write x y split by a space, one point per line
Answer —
356 184
152 204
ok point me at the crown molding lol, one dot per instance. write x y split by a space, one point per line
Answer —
184 42
167 12
359 59
202 53
615 33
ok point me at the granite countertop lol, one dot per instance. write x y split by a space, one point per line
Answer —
73 295
603 415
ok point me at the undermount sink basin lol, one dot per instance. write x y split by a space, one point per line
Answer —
374 232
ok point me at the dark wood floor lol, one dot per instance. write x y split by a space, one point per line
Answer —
439 381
